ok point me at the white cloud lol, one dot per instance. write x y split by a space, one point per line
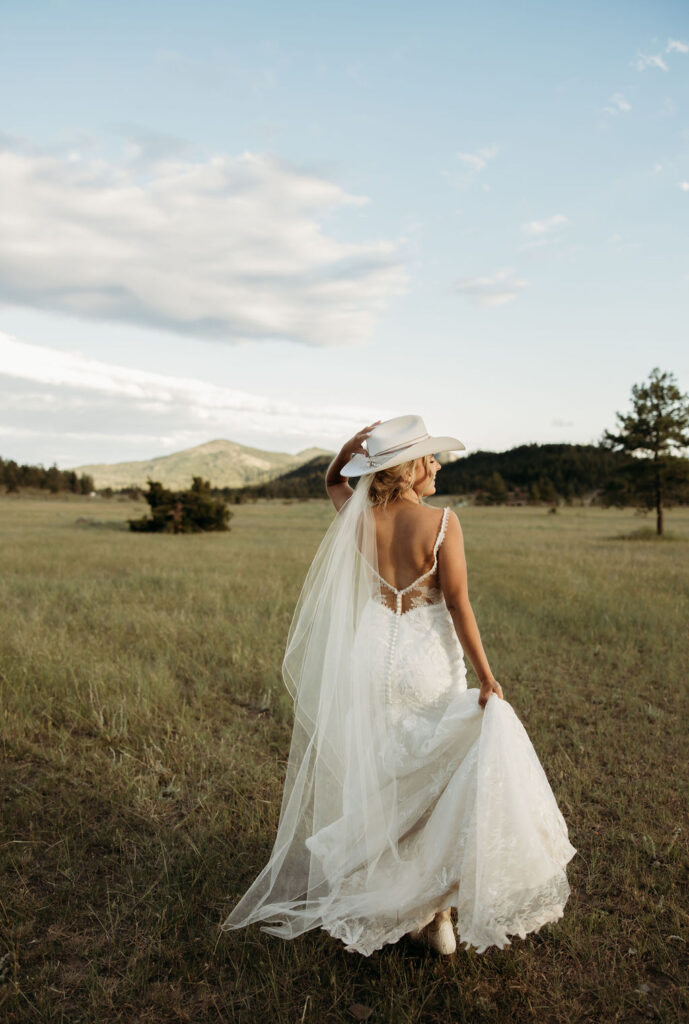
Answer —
478 160
544 227
676 46
649 60
492 290
230 249
617 104
50 392
684 185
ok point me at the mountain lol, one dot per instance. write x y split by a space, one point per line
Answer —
224 463
306 481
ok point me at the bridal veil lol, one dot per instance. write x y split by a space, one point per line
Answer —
338 798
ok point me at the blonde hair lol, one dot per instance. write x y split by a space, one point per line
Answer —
389 484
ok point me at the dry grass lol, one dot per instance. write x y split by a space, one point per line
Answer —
144 734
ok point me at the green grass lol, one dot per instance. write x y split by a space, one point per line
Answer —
145 730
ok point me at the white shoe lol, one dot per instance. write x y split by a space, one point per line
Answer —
440 937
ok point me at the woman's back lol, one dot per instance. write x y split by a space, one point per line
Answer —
408 538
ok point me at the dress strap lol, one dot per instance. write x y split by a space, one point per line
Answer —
441 532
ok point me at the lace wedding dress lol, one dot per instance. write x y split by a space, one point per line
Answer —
479 828
429 801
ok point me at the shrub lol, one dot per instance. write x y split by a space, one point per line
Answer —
191 511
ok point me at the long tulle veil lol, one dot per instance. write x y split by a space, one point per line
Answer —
339 803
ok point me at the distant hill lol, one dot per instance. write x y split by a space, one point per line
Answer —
224 463
305 481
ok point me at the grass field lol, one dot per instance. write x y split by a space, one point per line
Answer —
145 732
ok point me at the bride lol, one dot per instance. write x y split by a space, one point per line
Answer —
406 794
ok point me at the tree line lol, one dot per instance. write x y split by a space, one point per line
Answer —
527 474
15 477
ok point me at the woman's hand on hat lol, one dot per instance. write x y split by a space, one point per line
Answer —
488 688
355 444
337 485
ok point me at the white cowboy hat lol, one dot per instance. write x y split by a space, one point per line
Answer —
395 441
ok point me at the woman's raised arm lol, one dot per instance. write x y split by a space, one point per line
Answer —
336 485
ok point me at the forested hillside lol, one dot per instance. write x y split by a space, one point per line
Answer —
528 473
534 472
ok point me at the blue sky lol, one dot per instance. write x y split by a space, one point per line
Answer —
274 223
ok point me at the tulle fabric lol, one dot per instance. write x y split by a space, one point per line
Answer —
335 779
402 796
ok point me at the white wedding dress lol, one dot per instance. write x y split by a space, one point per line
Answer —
402 796
478 828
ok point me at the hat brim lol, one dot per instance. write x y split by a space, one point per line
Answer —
360 464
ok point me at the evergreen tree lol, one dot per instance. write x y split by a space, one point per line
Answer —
495 491
657 426
54 480
548 491
11 477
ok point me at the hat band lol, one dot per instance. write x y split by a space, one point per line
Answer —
395 449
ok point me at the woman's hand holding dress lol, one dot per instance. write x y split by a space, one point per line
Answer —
488 688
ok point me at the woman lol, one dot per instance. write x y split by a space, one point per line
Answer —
406 793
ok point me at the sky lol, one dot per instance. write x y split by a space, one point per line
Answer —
277 222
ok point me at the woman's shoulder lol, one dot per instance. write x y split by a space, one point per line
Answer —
422 513
436 513
434 524
423 516
442 520
429 519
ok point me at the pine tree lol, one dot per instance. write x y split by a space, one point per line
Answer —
11 477
496 490
657 426
548 491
